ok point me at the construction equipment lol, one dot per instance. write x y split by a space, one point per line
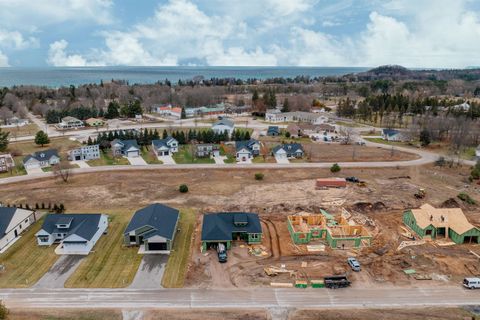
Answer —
335 282
420 194
362 184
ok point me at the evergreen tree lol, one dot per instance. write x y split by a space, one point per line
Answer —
112 110
247 135
3 140
41 138
184 114
165 134
286 106
89 141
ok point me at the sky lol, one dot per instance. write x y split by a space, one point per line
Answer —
330 33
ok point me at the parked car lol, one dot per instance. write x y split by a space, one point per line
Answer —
360 143
471 283
222 253
354 264
352 179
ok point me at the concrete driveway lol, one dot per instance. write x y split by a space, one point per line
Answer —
220 159
136 161
150 272
282 160
34 170
167 159
59 272
80 163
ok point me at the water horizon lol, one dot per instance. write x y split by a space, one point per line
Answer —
55 77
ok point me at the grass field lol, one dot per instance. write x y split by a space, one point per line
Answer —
184 155
176 269
27 130
110 264
25 262
70 314
106 159
21 149
392 143
150 157
19 170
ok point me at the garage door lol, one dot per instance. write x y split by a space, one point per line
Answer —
157 246
132 154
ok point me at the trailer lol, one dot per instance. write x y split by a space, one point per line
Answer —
335 282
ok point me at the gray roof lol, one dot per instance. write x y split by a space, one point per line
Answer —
42 155
162 142
225 122
390 132
273 129
288 147
126 143
6 215
245 144
219 226
84 225
161 218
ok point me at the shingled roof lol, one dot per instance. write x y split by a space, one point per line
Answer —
42 155
220 226
84 225
6 215
158 216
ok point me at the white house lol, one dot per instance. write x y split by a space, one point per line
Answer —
13 221
75 233
70 123
88 152
223 125
41 159
276 116
165 147
288 150
246 150
477 152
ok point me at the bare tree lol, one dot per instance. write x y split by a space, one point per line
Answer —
5 114
63 170
348 134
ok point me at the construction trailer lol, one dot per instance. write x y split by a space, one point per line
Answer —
338 233
441 223
325 183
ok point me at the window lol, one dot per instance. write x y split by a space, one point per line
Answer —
43 238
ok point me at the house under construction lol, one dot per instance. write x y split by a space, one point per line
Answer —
338 233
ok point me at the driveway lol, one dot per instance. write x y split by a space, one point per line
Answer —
34 170
136 161
167 159
150 272
282 160
80 163
220 159
59 272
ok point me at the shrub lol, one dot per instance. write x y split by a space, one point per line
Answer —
466 198
287 134
335 168
259 176
3 311
183 188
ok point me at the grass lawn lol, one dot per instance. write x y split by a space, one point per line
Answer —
47 169
62 314
110 264
106 159
150 157
19 170
25 262
349 124
21 149
27 130
230 159
380 140
176 269
184 156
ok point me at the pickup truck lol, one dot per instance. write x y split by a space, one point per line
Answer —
222 253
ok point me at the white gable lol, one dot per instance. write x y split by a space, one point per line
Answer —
74 237
19 216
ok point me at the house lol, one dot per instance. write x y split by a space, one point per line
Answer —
168 110
223 125
225 227
127 148
276 116
477 152
288 150
308 129
205 111
70 123
392 135
94 122
76 233
6 162
16 122
337 233
13 221
204 150
41 159
273 131
247 149
447 223
294 130
165 147
88 152
153 228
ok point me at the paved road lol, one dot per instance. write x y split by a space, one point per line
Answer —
238 298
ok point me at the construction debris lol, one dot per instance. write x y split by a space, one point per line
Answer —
273 271
315 248
422 277
410 243
410 271
475 254
281 284
258 251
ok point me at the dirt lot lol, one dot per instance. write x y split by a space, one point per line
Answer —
388 192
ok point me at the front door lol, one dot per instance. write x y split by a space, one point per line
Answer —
16 233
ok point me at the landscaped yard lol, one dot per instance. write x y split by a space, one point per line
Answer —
25 262
19 170
184 155
150 157
175 271
27 130
106 159
110 264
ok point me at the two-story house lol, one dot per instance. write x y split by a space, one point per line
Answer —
165 147
88 152
247 149
127 148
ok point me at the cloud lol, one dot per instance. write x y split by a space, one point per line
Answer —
58 58
3 60
15 40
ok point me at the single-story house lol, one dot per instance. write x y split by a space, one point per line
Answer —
273 131
153 228
203 150
76 233
88 152
41 159
247 149
94 122
276 116
294 130
127 148
6 162
165 147
16 122
168 110
393 135
288 150
436 223
323 128
225 227
13 221
70 123
223 125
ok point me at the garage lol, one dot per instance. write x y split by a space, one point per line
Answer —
132 154
157 246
